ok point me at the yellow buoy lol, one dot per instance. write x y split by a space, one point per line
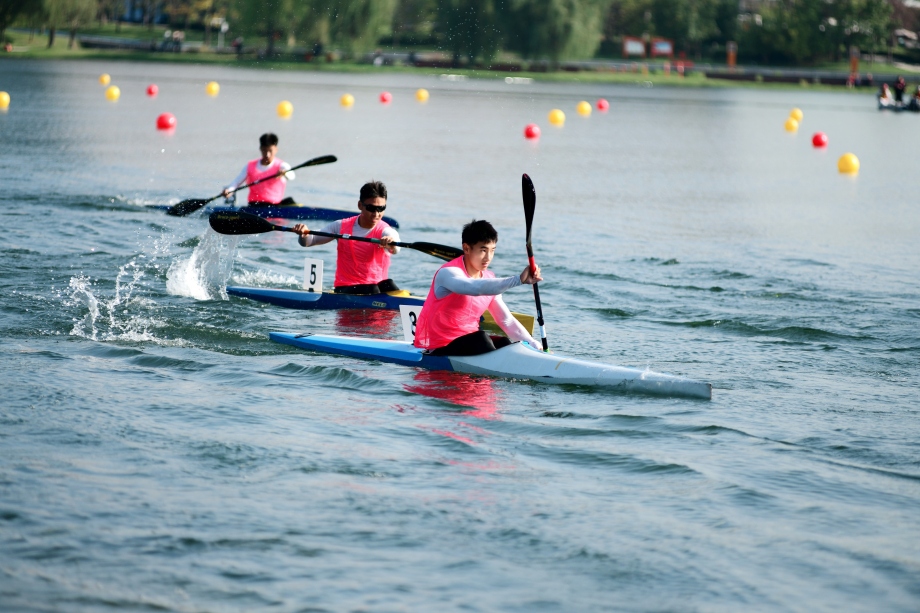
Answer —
285 109
421 95
584 108
557 117
4 100
112 93
796 114
104 79
347 100
212 88
848 164
792 125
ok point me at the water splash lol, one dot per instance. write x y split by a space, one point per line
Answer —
204 274
124 316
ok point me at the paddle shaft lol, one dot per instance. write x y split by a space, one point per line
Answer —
238 222
536 298
530 205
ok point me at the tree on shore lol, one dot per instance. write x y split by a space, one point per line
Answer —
70 14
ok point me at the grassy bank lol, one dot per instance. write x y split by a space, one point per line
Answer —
37 48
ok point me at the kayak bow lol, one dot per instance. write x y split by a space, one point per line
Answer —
516 361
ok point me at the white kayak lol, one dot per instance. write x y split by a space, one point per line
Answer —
516 361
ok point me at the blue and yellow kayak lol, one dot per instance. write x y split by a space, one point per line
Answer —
288 211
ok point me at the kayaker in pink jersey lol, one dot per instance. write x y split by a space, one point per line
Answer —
268 165
361 268
461 291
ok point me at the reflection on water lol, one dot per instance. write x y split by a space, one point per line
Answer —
366 322
480 394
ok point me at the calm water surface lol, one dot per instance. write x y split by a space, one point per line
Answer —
157 452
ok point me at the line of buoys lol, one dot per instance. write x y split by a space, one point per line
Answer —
584 108
112 93
386 97
104 79
212 88
421 95
4 101
347 100
166 121
285 109
532 131
152 90
846 164
602 105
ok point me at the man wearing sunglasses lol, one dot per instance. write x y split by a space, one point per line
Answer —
361 268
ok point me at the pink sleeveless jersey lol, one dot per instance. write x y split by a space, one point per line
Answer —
269 191
361 263
445 319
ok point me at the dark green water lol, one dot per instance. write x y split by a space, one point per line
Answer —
157 452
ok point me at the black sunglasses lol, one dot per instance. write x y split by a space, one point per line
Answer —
373 208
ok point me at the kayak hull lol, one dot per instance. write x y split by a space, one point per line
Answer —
516 361
291 211
302 299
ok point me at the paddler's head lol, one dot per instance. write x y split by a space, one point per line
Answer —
372 202
268 145
479 240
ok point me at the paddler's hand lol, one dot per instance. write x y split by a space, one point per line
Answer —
302 229
227 192
529 278
387 243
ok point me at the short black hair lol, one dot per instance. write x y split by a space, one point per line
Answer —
480 231
268 139
373 189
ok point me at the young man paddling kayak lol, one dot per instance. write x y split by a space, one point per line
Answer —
361 268
268 165
461 291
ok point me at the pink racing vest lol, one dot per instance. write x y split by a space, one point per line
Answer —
361 263
269 191
445 319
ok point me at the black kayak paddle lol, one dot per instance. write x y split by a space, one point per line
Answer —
238 222
530 205
193 204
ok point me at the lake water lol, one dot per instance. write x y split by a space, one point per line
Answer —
157 452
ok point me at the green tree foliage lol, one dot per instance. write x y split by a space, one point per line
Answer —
556 29
805 31
471 27
9 11
69 14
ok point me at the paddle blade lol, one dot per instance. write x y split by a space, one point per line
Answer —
186 206
530 202
323 159
237 222
439 251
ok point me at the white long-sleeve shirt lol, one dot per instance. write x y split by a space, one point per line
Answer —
453 280
336 228
241 178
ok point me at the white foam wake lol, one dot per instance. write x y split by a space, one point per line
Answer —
204 274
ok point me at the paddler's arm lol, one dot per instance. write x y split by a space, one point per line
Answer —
289 174
239 180
308 240
452 280
390 235
511 326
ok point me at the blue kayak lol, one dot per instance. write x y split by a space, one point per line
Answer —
291 211
303 299
515 361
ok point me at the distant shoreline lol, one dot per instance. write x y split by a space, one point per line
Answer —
695 77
